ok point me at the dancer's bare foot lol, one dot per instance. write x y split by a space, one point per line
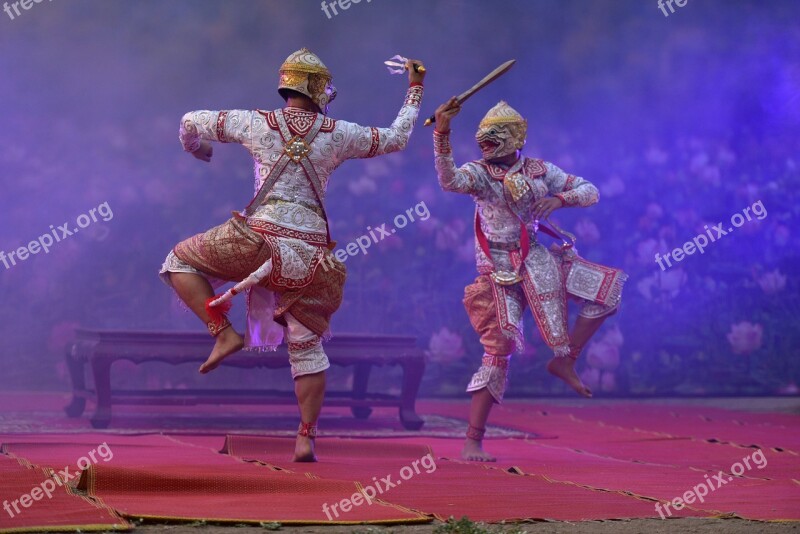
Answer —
304 450
564 368
228 342
473 451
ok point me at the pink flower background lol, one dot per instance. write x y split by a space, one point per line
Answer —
680 124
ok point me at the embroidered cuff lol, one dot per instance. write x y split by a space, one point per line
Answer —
220 130
566 199
441 143
190 144
414 95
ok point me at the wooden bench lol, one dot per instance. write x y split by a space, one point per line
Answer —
101 348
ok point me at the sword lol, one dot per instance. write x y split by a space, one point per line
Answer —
492 76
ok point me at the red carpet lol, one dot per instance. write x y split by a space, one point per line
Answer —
235 493
444 487
64 510
158 477
611 461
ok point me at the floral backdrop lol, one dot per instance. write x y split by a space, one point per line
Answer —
680 122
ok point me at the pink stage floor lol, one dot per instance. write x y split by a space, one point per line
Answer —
565 461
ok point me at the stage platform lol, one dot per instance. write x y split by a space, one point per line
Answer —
557 461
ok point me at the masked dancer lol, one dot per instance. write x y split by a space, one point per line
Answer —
512 194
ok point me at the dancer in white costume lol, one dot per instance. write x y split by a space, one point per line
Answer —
512 194
282 236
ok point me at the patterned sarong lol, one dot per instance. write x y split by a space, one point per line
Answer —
231 251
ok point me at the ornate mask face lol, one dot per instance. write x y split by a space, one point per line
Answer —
305 73
501 132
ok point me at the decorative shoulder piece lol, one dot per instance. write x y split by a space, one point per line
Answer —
534 168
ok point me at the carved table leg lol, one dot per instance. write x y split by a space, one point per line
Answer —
76 365
360 383
413 369
101 369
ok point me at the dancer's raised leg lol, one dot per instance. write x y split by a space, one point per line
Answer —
564 367
194 290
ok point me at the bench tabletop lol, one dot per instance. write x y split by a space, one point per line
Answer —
167 337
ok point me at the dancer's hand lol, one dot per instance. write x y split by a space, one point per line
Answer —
444 113
205 151
543 207
413 75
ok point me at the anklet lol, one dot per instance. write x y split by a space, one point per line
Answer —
475 433
308 430
215 327
219 320
574 352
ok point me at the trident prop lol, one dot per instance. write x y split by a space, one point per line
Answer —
398 66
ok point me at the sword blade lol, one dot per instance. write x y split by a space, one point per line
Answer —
489 78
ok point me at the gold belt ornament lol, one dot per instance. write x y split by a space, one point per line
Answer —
506 278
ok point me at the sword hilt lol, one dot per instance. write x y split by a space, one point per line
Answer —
432 119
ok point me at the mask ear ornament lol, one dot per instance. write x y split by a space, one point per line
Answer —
305 73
